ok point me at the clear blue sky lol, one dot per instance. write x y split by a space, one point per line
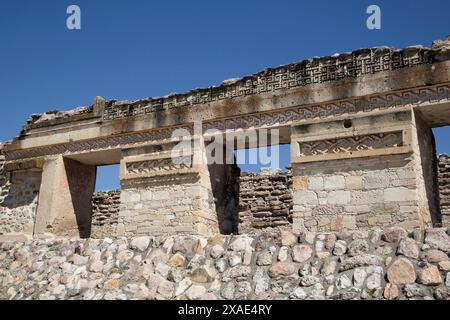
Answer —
134 49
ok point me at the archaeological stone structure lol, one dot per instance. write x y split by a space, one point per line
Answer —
359 125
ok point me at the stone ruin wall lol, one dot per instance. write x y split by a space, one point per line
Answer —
105 213
19 192
444 188
265 201
389 265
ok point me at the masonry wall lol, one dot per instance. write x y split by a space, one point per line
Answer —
19 193
357 194
364 265
166 207
105 213
265 201
444 188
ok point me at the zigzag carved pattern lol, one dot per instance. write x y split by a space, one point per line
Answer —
411 98
159 165
304 73
351 144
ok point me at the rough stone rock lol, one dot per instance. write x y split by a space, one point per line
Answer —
409 248
330 241
238 272
359 276
166 289
200 275
140 243
182 286
416 290
401 271
391 291
125 255
360 261
281 269
430 276
96 266
217 251
288 238
358 247
241 243
328 267
183 245
340 248
301 253
308 281
438 239
394 234
434 256
234 260
79 260
264 258
228 290
447 279
112 284
195 292
373 281
299 294
343 282
221 265
283 254
177 260
444 265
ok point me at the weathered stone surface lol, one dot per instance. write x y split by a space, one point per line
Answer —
430 276
358 247
434 256
340 248
200 275
140 243
177 260
281 269
195 292
238 272
115 271
301 253
288 238
360 261
391 291
408 248
217 251
438 239
401 271
444 265
394 234
264 258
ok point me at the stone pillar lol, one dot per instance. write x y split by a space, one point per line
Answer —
357 173
65 198
163 193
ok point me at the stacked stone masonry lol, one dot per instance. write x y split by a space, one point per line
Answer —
19 193
105 213
444 188
389 265
265 201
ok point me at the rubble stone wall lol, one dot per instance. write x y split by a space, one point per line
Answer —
19 192
265 201
364 265
444 188
105 213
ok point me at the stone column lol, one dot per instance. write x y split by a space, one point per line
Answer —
65 198
357 173
166 193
